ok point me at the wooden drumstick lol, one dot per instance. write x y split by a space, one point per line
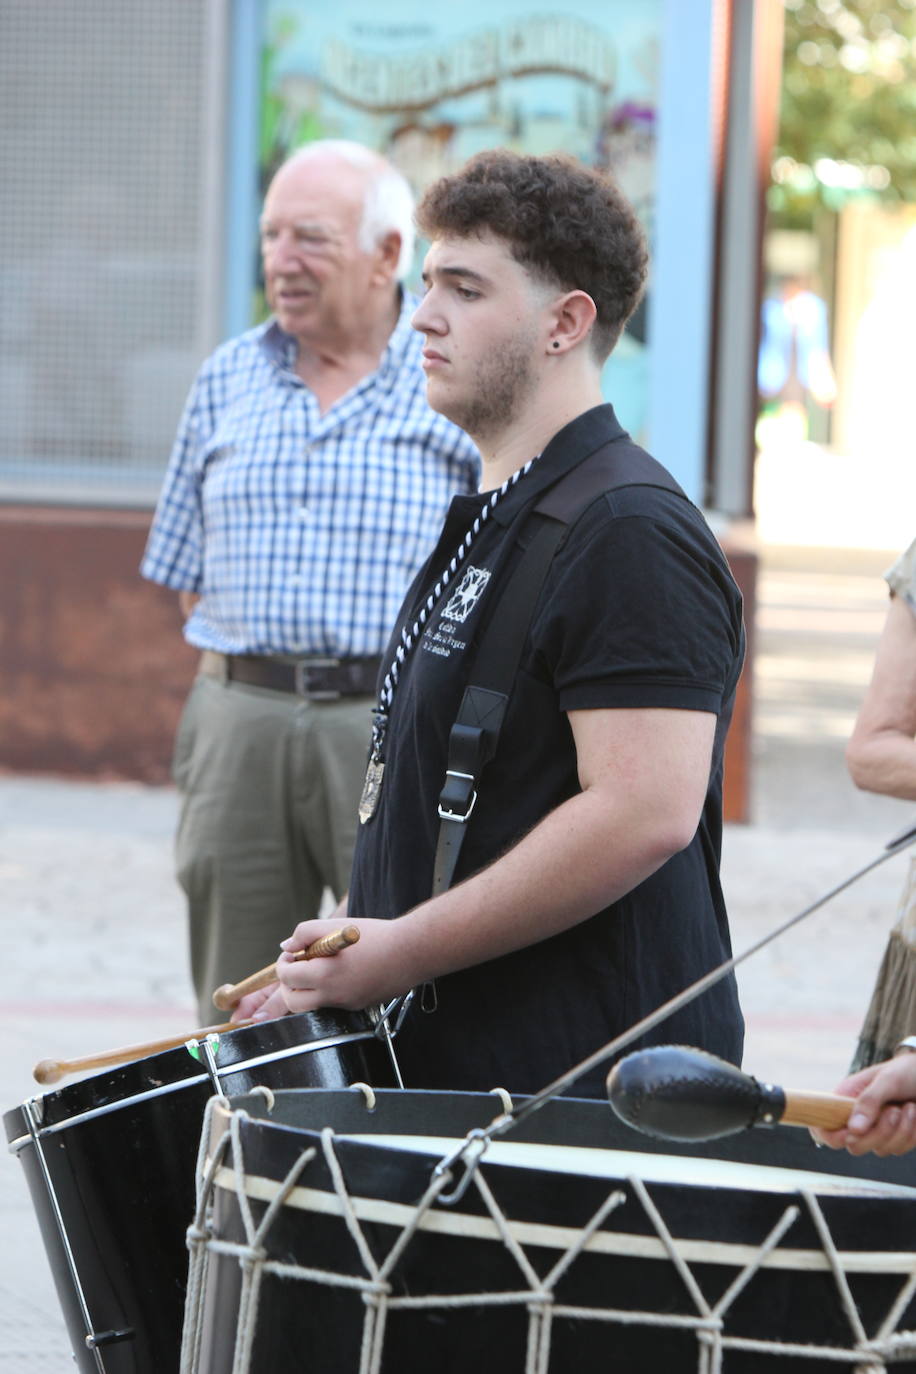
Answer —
230 994
676 1092
52 1070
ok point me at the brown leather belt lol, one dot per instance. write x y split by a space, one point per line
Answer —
314 679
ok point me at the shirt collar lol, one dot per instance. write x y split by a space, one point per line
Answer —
569 447
279 346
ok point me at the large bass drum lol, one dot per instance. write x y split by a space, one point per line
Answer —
327 1239
110 1164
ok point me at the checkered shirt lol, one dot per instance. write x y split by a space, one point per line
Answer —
302 531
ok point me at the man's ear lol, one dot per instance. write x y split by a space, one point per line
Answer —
387 257
571 320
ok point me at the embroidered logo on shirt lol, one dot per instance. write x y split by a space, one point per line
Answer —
466 595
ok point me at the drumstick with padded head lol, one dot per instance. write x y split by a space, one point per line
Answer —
230 994
676 1092
53 1070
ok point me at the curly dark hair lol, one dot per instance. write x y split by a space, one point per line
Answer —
567 223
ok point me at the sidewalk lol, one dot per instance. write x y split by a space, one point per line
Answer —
92 930
92 925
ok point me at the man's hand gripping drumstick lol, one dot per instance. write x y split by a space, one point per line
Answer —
384 965
49 1071
231 994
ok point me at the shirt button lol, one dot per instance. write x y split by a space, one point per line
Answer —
303 512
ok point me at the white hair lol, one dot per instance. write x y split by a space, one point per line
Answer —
388 202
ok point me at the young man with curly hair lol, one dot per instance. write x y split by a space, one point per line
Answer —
586 890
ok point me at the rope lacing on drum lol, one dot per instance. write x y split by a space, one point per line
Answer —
504 1097
537 1294
198 1236
887 1331
262 1090
368 1093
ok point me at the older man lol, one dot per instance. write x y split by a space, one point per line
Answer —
306 486
586 892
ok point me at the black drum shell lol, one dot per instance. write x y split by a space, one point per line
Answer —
295 1316
121 1148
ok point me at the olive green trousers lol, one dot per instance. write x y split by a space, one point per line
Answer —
269 787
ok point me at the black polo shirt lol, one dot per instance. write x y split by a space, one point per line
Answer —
639 609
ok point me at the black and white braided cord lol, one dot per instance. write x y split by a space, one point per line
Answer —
410 635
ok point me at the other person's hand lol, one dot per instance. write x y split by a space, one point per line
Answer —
883 1120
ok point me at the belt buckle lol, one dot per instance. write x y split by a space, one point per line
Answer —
303 668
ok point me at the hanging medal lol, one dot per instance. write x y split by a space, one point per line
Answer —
375 769
371 788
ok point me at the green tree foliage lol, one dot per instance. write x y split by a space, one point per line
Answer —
848 115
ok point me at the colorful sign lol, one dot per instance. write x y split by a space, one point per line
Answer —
430 90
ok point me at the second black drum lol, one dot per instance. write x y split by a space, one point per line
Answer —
110 1164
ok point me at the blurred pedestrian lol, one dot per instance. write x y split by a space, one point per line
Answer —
307 482
881 756
795 372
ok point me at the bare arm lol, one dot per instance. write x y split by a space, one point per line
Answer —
881 754
187 601
644 776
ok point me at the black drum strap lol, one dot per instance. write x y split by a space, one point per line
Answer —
475 735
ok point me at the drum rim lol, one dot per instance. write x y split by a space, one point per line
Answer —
223 1071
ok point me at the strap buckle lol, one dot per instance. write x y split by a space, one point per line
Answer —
458 797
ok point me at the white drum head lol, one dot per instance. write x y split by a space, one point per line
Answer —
651 1168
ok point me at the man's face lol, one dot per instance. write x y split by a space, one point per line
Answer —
316 275
485 323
